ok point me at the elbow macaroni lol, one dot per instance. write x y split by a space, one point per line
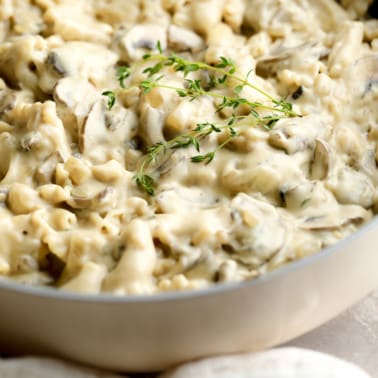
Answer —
71 215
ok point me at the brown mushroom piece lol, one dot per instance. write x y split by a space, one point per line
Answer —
141 39
321 161
51 263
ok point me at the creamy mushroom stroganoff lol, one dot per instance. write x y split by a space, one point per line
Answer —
158 145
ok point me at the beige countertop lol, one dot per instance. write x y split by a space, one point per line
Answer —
352 336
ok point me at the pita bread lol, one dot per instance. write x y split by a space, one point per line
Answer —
44 367
275 363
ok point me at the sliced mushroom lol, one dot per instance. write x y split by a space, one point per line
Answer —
45 172
368 166
74 98
280 139
181 39
321 163
103 133
350 141
151 124
53 71
226 272
55 63
142 38
21 60
298 197
51 263
258 232
298 134
352 187
289 58
262 178
203 267
287 139
181 199
75 93
28 140
85 60
122 123
338 217
93 131
89 197
309 199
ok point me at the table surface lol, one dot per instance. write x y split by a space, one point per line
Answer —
352 336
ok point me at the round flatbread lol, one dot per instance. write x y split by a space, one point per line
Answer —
275 363
45 367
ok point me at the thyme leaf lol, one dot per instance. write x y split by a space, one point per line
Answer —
111 98
122 74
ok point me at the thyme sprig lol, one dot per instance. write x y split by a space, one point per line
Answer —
220 72
192 139
222 75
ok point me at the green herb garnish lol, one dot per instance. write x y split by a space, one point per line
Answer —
221 75
111 98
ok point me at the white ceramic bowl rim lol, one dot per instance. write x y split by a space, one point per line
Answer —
45 291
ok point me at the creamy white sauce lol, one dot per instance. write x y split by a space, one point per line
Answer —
71 214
